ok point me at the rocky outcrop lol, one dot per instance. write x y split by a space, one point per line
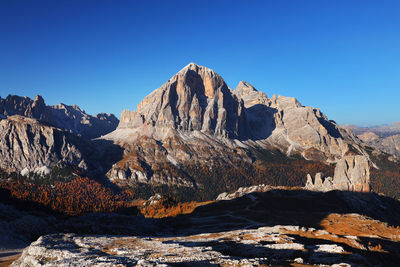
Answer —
70 118
26 143
351 174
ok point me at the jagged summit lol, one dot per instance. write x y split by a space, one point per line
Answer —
245 86
250 95
194 99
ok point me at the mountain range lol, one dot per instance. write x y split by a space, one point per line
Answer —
193 132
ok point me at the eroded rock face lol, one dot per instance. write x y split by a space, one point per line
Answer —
195 99
70 118
351 174
25 143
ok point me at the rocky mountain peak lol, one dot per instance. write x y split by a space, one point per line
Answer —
202 80
39 109
250 95
194 99
38 101
245 86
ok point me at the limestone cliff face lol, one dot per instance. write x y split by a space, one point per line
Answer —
195 99
26 143
70 118
351 174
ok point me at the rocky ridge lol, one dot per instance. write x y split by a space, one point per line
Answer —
69 118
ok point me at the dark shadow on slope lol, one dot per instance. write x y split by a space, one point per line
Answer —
261 121
292 207
311 253
284 207
330 127
25 205
109 153
376 258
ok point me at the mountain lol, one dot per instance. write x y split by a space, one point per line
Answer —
70 118
195 99
195 124
25 143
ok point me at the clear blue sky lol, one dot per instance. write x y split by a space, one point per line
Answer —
105 56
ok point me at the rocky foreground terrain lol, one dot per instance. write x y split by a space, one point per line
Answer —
264 226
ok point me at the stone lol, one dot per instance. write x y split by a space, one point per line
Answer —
351 174
196 98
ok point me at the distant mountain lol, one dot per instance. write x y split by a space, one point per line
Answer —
381 131
70 118
194 123
385 138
